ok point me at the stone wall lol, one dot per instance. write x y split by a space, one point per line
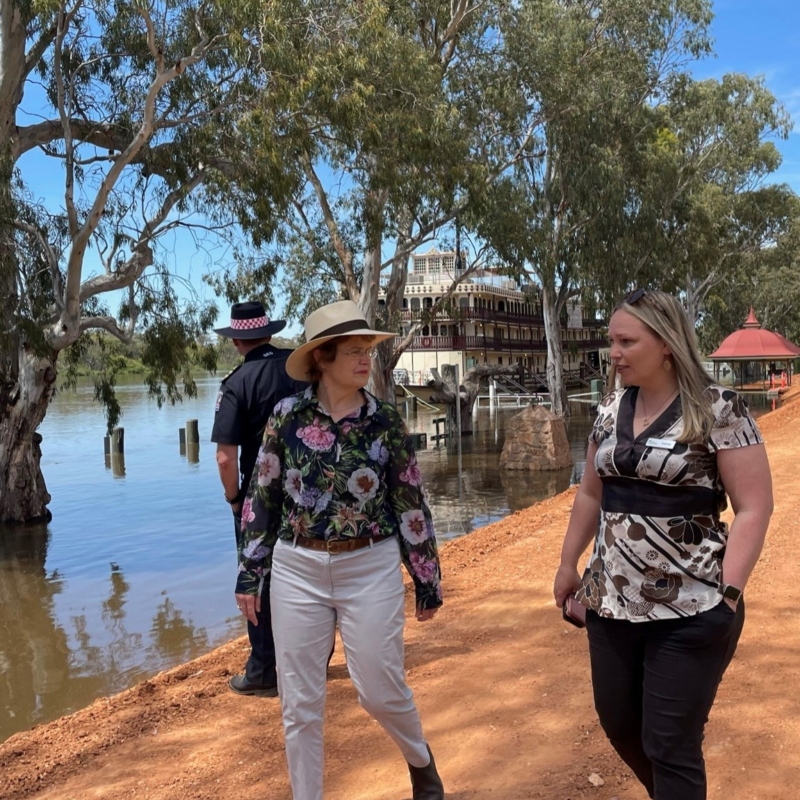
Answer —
536 439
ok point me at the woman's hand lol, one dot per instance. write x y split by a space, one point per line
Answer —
249 606
567 582
424 614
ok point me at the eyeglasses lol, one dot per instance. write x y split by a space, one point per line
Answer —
357 353
635 296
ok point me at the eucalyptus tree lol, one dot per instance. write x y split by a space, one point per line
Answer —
398 145
150 117
587 79
727 131
697 200
767 279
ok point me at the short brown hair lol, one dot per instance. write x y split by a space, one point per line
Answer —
327 353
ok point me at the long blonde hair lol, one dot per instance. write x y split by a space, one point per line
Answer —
665 317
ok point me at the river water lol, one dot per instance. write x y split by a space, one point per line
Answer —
135 572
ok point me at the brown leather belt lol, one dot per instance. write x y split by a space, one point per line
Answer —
336 546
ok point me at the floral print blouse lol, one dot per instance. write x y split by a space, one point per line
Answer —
357 477
660 542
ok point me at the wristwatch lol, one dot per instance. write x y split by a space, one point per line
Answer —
231 501
730 592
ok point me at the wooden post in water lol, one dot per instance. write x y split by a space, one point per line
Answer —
193 452
117 441
192 441
182 441
117 464
114 449
192 432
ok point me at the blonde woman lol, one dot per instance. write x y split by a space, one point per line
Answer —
663 587
335 505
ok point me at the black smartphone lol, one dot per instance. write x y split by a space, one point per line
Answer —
574 612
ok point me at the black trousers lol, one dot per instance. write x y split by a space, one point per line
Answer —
260 667
654 684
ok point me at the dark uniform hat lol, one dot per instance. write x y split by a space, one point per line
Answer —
250 321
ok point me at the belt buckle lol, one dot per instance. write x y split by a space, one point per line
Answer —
335 547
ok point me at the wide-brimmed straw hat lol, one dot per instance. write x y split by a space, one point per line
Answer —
250 321
329 322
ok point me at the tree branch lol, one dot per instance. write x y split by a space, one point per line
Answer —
64 21
155 50
68 323
44 41
345 256
50 256
110 325
142 254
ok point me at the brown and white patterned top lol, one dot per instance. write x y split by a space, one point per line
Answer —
660 543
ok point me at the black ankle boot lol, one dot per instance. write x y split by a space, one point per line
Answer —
425 781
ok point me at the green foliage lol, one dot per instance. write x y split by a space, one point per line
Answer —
694 200
586 107
387 106
768 280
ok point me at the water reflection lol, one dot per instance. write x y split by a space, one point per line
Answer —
34 654
53 663
471 492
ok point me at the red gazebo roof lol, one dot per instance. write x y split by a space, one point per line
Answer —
753 343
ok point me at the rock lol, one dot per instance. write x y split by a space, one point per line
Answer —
536 440
596 780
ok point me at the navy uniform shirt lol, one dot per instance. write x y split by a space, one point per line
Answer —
246 399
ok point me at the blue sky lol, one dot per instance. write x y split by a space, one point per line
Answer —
762 37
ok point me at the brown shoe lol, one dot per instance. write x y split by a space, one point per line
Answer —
239 685
425 781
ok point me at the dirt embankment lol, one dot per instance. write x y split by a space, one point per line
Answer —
501 681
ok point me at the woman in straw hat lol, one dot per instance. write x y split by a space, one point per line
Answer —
334 505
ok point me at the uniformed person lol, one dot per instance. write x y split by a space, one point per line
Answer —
244 403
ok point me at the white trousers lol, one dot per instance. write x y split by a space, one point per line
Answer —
363 590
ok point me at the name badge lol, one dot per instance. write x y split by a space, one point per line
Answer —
661 444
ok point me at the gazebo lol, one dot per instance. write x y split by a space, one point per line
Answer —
752 343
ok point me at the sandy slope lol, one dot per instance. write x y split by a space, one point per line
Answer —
501 681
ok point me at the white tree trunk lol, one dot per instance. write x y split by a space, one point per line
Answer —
381 379
692 302
555 353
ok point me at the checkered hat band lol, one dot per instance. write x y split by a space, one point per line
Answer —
249 324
